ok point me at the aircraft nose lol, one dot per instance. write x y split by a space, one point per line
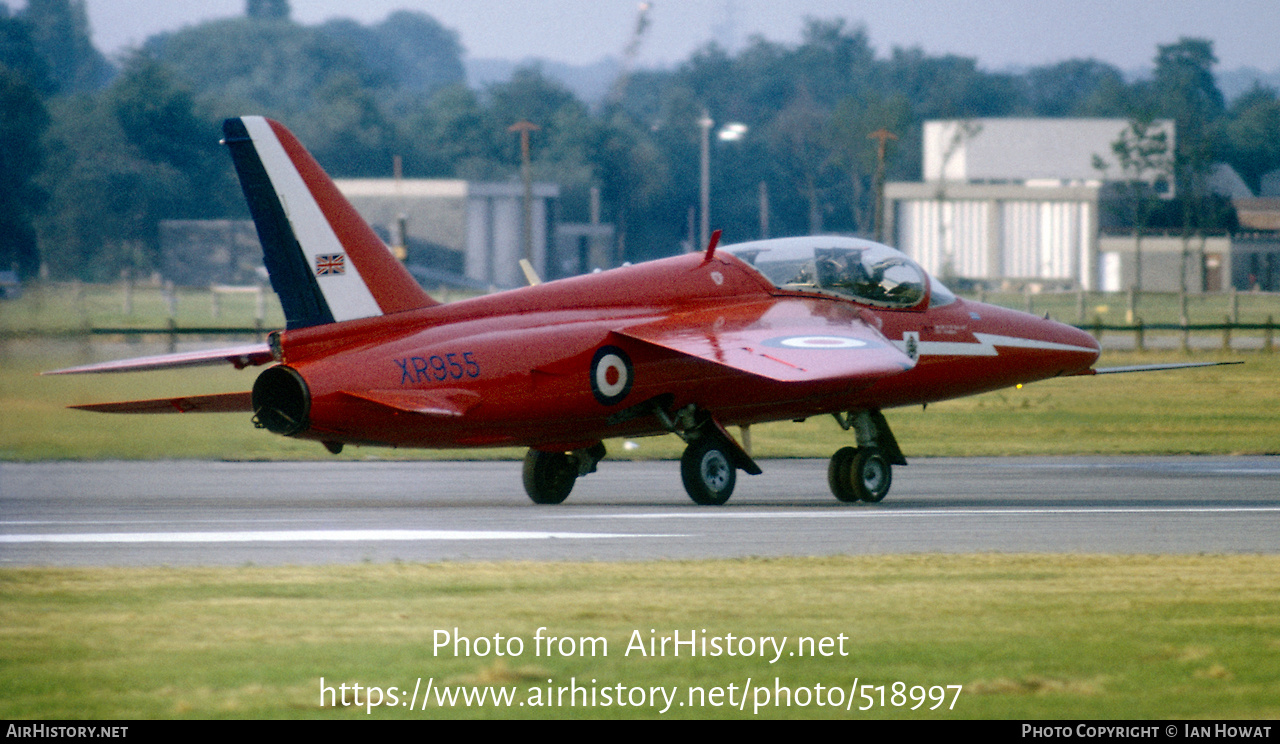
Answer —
1089 348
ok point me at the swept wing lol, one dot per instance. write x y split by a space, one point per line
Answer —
787 340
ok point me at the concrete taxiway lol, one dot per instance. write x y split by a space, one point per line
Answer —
265 513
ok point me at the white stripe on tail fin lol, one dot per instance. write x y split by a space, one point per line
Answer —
325 262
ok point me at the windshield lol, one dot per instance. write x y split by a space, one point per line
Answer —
861 270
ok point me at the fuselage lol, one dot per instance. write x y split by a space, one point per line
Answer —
515 368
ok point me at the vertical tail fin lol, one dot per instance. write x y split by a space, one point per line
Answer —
325 262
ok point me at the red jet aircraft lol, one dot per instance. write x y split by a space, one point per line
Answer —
764 331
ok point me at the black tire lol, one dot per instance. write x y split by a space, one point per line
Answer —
549 476
871 474
708 472
840 475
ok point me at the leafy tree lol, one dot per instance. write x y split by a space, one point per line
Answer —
1078 87
855 153
634 177
1186 92
797 136
276 10
1142 152
120 164
449 134
21 199
352 137
157 117
251 65
1252 134
1185 84
19 54
60 32
833 62
949 87
412 51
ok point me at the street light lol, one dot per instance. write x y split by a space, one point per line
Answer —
734 131
704 232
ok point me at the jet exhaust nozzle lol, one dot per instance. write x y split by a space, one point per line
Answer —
281 401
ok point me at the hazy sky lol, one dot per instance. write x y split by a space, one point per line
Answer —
999 33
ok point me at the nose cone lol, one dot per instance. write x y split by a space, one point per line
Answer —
1039 348
1089 348
1063 349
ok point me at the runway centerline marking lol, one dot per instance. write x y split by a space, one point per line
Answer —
314 536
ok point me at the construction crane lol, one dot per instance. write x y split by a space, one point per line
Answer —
631 51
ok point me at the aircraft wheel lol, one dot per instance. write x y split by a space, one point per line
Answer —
549 476
871 474
840 474
708 472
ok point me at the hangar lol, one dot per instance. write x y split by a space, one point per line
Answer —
1012 200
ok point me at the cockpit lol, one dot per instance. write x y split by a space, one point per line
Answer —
860 270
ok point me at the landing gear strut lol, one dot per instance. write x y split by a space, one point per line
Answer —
865 472
549 476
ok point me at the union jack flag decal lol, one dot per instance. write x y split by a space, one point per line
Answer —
331 263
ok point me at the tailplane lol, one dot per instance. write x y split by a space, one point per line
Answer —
326 263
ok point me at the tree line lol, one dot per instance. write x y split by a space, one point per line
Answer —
97 154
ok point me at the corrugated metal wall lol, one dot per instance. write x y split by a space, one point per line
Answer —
947 238
998 239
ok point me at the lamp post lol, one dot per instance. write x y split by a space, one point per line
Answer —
526 174
731 132
881 136
704 231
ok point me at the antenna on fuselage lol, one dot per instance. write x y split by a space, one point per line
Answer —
711 246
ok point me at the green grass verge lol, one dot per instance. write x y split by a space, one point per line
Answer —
1027 636
1221 410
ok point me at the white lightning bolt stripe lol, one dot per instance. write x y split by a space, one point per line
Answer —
986 346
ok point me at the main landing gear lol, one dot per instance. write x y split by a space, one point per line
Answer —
865 472
711 461
710 464
549 476
708 472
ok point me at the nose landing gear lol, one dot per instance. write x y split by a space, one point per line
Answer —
865 472
859 474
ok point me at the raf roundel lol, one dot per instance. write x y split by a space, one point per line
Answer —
816 342
611 375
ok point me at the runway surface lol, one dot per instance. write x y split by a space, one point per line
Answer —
216 513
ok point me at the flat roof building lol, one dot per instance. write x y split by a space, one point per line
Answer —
1013 200
459 226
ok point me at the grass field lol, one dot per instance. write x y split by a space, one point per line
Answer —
1060 637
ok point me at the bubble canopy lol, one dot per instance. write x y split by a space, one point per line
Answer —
860 270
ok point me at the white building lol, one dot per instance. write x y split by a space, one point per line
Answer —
1011 199
476 227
